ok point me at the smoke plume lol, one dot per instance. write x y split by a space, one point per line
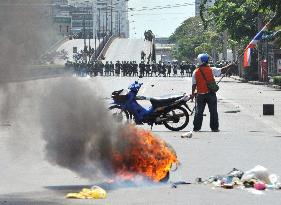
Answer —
79 134
25 34
77 129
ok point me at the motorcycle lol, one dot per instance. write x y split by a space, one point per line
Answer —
172 112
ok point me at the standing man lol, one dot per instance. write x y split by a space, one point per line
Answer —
111 69
142 68
182 68
154 68
169 69
117 68
106 69
203 74
147 69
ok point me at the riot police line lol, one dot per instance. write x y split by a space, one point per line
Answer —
131 68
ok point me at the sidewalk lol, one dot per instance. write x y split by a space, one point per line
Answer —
268 84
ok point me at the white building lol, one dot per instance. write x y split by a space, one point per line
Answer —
210 3
109 16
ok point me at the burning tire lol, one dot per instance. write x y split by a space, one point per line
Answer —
119 115
166 178
177 119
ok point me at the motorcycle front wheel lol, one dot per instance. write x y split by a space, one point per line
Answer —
176 119
119 115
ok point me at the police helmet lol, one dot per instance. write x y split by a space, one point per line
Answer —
203 58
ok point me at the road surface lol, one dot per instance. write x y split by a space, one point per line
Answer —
68 47
247 138
125 50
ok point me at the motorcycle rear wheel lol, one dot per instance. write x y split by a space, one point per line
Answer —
119 115
178 119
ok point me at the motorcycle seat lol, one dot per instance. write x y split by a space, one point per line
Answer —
159 102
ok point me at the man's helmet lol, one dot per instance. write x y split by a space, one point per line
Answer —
203 58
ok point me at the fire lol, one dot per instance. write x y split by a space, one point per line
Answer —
140 153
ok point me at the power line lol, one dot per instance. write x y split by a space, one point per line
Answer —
155 14
161 7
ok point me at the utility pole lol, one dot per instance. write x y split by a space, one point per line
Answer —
84 33
103 25
95 46
111 19
260 47
99 25
89 33
116 23
106 18
119 25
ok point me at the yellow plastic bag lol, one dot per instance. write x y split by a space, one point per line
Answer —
95 192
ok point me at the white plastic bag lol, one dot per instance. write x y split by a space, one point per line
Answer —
258 172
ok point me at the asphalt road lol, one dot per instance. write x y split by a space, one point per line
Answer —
68 47
247 139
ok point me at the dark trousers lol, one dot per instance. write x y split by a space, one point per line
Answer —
211 100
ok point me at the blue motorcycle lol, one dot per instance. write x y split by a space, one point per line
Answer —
172 112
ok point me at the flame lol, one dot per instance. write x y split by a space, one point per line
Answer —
140 153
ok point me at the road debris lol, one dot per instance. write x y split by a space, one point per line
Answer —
175 184
232 111
95 192
254 180
187 135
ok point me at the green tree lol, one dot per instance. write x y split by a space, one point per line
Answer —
240 17
191 39
203 48
190 28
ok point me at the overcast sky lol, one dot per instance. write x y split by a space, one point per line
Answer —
162 22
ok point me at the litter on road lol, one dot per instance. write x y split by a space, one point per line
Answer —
175 184
187 135
95 192
257 179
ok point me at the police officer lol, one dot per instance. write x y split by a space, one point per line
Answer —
175 68
159 68
111 68
142 68
169 69
124 69
135 68
106 68
154 68
101 68
182 68
117 68
147 69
